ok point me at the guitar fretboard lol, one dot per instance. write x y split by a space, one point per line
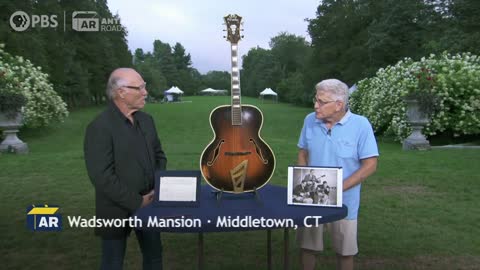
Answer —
236 99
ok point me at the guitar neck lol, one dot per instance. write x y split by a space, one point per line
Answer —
235 81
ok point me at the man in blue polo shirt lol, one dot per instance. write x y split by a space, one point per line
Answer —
334 136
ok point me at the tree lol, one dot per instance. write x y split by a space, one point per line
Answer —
338 41
290 51
166 67
78 62
397 33
182 60
351 39
153 76
217 80
139 56
260 70
292 89
466 19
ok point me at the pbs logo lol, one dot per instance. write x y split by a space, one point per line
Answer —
21 21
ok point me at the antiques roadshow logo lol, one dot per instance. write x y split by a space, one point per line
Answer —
43 218
82 21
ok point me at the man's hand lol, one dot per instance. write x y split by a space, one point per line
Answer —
147 199
368 167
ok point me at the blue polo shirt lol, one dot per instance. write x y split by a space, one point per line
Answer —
347 142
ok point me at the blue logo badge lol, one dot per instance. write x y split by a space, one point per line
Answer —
43 218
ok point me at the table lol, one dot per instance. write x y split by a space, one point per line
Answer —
266 210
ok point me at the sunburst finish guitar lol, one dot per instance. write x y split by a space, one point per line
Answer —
237 159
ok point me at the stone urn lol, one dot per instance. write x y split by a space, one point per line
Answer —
417 119
10 125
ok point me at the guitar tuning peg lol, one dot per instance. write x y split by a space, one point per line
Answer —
243 36
224 30
224 37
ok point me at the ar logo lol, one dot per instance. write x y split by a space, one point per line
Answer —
85 21
43 218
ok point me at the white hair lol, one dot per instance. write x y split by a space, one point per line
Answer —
114 82
338 88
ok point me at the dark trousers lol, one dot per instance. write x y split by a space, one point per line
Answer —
113 251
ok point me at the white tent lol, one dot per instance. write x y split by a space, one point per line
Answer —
210 91
352 89
174 90
268 92
172 94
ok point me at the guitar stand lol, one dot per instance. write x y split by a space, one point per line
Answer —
257 196
219 195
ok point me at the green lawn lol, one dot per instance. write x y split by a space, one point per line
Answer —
419 211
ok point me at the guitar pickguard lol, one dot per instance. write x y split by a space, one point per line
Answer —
238 174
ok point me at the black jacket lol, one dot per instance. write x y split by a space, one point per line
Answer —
118 166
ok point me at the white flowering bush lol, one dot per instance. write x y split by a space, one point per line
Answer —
451 81
43 105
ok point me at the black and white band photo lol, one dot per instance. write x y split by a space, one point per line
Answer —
316 186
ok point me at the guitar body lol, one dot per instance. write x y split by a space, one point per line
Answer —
237 159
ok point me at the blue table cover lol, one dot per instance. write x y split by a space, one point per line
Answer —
232 209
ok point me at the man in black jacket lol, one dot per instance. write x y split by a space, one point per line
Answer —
122 152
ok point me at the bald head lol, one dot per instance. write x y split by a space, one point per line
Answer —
118 78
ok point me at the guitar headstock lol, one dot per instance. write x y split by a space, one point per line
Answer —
233 23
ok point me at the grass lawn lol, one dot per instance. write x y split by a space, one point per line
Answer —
419 211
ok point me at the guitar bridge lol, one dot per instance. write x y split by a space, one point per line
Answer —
237 153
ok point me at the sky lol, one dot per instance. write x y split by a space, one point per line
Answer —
198 25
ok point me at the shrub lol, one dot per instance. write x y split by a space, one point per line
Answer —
448 87
43 105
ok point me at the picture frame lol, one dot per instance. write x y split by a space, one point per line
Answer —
315 186
177 188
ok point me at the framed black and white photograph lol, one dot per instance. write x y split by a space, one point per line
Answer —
315 186
177 188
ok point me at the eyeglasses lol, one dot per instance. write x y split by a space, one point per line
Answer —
138 88
320 102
